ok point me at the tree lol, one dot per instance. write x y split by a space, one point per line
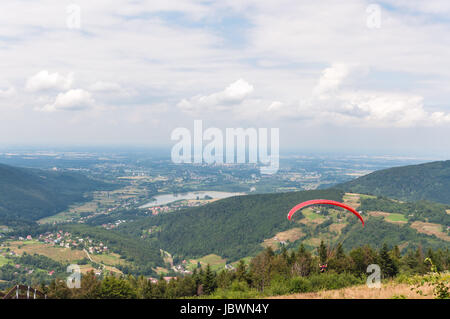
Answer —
209 281
90 287
261 268
388 266
322 252
116 288
303 262
241 271
361 258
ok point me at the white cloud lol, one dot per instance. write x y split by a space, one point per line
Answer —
332 78
282 49
44 80
233 94
343 106
105 87
72 100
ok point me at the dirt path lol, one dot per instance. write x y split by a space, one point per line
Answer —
89 256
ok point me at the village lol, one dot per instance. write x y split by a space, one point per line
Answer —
67 240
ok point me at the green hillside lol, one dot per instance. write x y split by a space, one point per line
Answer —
237 227
429 181
232 228
30 194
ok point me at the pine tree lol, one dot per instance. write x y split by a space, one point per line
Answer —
241 271
322 252
209 283
388 266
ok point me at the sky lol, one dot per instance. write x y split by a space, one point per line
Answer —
358 76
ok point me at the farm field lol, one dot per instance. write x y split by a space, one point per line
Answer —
3 260
110 259
352 199
102 202
397 218
390 217
430 229
216 262
56 253
65 255
290 235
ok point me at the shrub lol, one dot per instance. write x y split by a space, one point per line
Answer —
300 284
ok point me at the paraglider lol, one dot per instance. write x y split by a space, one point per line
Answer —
323 202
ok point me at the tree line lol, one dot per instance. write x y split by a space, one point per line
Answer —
269 273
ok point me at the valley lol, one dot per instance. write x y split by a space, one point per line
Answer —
144 224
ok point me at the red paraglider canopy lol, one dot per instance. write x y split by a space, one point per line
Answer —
322 202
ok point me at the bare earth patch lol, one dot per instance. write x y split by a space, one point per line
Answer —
290 235
337 227
447 211
378 214
430 229
352 199
387 291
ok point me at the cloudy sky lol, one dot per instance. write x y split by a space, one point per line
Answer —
357 75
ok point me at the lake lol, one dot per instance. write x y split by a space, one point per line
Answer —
165 199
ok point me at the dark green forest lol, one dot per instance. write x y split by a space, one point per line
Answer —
30 194
232 228
429 181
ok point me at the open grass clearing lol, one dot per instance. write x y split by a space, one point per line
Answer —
4 260
387 291
390 217
60 254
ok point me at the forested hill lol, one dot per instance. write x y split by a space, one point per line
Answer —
429 181
232 228
30 194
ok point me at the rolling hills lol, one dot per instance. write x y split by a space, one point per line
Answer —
30 194
232 228
241 226
429 181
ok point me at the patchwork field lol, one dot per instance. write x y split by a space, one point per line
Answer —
66 255
430 229
290 235
352 200
337 227
215 261
110 259
60 254
310 217
101 202
390 217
